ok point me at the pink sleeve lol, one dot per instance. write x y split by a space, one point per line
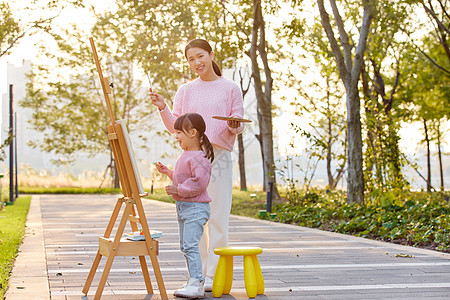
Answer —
237 109
198 183
168 117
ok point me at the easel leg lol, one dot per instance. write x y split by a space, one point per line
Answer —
101 284
91 275
148 283
159 279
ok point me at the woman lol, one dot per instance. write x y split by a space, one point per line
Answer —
210 95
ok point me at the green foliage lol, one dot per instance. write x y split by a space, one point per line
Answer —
9 27
415 219
12 229
67 102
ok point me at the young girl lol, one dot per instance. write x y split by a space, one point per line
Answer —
190 179
210 95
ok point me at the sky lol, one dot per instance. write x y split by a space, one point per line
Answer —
84 19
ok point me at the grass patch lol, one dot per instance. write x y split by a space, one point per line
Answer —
245 203
12 229
68 190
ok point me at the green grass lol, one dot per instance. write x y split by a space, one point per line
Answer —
67 190
245 203
12 229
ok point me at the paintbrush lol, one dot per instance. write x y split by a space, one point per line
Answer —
150 81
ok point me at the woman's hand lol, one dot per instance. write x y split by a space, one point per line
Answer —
234 124
171 190
157 100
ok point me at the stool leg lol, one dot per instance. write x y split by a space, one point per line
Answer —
229 276
259 277
249 276
219 277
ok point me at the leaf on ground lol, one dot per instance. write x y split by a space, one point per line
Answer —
403 255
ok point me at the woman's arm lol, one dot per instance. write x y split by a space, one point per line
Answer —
168 117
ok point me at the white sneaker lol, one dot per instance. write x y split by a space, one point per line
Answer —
208 283
193 290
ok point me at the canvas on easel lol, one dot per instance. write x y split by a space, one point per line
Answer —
133 190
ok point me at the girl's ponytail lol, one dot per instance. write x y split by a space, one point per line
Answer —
207 147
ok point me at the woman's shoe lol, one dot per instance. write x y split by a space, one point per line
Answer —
208 283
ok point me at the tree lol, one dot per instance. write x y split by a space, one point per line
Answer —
321 100
13 29
258 49
66 102
243 75
380 78
425 90
349 67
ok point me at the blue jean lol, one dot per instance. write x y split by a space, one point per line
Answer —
192 216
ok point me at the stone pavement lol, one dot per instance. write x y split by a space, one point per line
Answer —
297 262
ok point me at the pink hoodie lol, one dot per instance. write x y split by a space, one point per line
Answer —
191 175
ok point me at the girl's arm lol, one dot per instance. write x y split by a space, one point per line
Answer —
195 185
164 170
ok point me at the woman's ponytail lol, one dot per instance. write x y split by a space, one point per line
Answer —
216 68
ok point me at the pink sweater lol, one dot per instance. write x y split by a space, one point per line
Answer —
191 176
220 97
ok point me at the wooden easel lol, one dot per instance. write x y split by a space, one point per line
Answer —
132 192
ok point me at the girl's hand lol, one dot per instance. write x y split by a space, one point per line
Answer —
157 100
162 168
171 190
234 124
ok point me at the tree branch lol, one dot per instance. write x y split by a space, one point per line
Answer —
359 55
343 36
431 12
35 25
325 20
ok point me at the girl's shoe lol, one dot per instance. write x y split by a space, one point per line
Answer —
193 290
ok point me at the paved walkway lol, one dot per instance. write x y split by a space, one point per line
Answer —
297 262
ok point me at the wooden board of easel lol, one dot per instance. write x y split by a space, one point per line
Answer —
133 190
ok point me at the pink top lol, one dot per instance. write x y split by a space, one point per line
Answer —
191 176
221 97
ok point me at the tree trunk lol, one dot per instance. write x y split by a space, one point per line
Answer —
349 71
355 177
440 156
258 137
427 140
264 98
329 141
242 176
240 138
116 179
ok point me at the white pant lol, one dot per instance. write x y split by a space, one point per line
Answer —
220 190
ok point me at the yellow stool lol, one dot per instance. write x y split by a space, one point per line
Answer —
223 279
